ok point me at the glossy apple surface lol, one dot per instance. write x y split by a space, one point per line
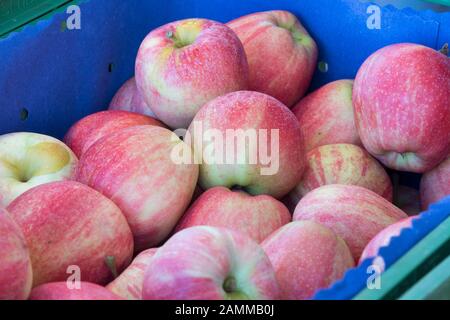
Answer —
67 224
281 54
207 263
402 110
184 64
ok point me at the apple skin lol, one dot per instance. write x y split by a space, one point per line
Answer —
408 200
281 54
208 263
69 224
257 217
134 168
435 184
177 75
16 274
128 284
128 98
402 110
383 238
356 214
60 291
30 159
327 116
307 257
247 110
88 130
343 164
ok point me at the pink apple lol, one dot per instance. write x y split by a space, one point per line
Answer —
134 168
281 54
30 159
256 144
356 214
15 264
435 184
408 200
88 130
401 97
184 64
128 98
327 115
343 164
129 284
307 257
69 224
383 239
63 291
256 217
207 263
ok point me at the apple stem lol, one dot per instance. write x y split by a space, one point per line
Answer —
230 285
112 265
444 50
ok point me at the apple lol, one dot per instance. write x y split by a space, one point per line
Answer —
408 200
356 214
135 169
402 110
383 239
15 264
281 54
327 116
30 159
62 291
306 257
342 164
68 226
256 217
128 98
184 64
435 184
208 263
88 130
248 140
129 284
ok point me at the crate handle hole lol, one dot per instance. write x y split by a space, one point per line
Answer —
323 66
24 113
110 67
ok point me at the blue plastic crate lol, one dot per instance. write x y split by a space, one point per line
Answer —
51 76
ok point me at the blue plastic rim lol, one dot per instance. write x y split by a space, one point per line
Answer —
51 77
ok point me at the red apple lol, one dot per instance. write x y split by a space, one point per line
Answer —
383 238
307 257
435 184
327 115
134 168
15 264
128 98
408 200
342 164
281 54
28 160
88 130
61 291
356 214
401 97
129 284
256 217
69 224
256 144
184 64
207 263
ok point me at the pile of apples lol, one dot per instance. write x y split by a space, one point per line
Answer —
109 214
